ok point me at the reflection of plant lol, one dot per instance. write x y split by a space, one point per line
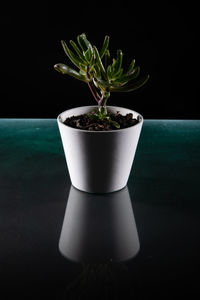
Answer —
102 78
99 281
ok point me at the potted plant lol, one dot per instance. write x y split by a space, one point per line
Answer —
100 141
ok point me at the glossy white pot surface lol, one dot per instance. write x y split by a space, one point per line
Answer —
99 161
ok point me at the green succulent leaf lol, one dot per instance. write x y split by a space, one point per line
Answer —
83 67
87 43
92 60
107 58
131 67
109 72
118 63
74 59
118 74
64 69
101 84
93 116
113 66
99 62
117 84
88 54
115 124
97 71
80 54
135 73
105 46
132 86
81 72
83 42
102 113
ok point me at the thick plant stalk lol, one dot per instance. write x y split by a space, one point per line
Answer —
94 92
102 102
92 87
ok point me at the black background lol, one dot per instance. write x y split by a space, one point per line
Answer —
161 36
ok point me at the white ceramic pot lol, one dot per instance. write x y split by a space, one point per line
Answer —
99 161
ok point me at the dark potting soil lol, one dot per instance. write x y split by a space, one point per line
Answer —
86 123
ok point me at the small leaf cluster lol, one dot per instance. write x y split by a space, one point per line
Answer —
102 115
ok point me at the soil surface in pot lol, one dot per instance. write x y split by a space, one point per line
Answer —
87 123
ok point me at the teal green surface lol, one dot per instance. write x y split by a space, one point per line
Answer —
166 166
28 141
166 170
32 163
164 188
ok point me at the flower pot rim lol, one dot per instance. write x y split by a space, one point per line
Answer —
103 131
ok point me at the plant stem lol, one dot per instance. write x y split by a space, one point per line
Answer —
92 87
103 101
93 91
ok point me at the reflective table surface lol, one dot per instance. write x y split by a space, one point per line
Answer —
57 242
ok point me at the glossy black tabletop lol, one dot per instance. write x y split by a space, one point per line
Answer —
60 243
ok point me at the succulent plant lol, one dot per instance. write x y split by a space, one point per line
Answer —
102 74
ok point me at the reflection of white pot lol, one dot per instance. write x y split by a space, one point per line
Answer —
99 228
99 161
